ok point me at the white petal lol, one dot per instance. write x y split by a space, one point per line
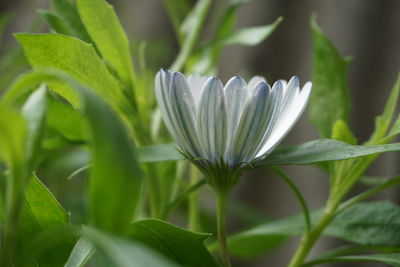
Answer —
184 115
276 101
162 84
235 95
291 89
254 81
196 83
211 120
284 126
253 122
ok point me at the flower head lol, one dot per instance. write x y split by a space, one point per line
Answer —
227 127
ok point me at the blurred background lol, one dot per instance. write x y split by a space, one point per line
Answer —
368 31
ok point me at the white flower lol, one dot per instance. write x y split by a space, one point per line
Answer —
229 125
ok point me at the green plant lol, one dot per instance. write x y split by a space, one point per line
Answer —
87 105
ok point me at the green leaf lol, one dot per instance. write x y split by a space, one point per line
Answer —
71 125
13 131
383 121
56 23
192 18
191 29
347 250
42 212
104 28
179 245
118 252
177 10
74 57
210 54
322 150
114 186
81 254
34 112
392 259
395 130
68 13
341 132
163 152
308 153
330 94
382 185
41 209
265 237
370 223
251 36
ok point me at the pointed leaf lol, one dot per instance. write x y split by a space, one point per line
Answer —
163 152
114 188
330 96
34 111
179 245
74 57
370 223
118 252
42 212
56 23
71 126
251 36
322 150
392 259
383 121
104 28
68 13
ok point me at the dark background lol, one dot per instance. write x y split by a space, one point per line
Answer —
364 29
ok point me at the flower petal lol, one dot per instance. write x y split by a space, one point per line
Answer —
235 95
253 82
293 114
276 101
253 123
162 84
184 116
290 92
211 120
196 83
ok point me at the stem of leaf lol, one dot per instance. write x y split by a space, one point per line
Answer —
222 201
182 197
387 184
192 37
12 210
298 195
193 209
309 238
154 191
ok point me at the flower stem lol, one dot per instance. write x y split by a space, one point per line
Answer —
222 201
193 200
154 191
309 238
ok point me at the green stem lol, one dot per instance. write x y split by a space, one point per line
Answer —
309 238
154 191
193 201
387 184
182 197
13 205
192 37
297 194
222 201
